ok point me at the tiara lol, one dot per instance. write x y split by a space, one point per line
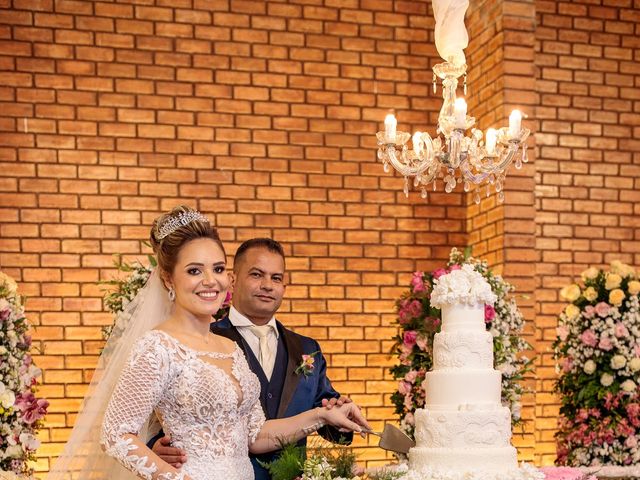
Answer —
175 222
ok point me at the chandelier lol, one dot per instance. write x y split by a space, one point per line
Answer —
478 161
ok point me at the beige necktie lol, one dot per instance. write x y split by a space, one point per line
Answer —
267 355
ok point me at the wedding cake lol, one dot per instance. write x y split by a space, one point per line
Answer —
464 431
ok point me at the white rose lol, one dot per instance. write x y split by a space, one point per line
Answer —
572 311
612 281
516 410
628 386
634 364
13 451
589 274
570 292
29 441
7 399
606 379
618 362
589 367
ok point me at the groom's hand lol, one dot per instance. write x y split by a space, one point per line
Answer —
328 403
347 418
172 455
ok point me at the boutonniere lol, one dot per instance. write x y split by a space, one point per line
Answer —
307 365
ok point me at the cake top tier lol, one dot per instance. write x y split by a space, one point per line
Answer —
462 286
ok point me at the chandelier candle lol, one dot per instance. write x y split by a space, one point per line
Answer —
491 140
515 123
390 123
460 109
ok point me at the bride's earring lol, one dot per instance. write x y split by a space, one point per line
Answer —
172 294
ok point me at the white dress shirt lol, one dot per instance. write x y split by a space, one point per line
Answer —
242 323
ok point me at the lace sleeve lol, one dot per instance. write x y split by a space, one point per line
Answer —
256 421
139 389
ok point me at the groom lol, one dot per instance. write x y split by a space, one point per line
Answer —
275 353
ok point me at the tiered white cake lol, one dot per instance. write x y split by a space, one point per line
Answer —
464 431
464 425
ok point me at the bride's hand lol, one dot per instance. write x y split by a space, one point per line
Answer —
346 417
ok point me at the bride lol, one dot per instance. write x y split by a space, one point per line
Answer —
163 359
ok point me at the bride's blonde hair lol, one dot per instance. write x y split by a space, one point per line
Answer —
167 246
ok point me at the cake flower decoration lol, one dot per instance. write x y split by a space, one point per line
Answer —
464 285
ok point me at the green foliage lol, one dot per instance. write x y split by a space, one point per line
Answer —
289 463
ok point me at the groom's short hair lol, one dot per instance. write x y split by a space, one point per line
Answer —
267 243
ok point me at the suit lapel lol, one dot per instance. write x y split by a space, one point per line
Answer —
294 350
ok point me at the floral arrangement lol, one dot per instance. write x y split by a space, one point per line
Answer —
324 462
566 473
461 285
598 352
21 412
419 321
121 291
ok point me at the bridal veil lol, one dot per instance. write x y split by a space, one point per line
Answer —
83 458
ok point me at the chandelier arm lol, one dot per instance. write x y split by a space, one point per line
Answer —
403 168
504 162
474 178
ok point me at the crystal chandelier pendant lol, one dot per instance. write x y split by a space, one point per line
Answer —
476 160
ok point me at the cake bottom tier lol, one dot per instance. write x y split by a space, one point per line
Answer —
524 472
465 428
462 460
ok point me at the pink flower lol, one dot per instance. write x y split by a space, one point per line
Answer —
404 388
404 354
415 308
589 311
421 342
417 283
605 343
438 273
432 323
489 313
563 332
582 415
227 299
403 312
455 266
408 402
409 419
602 309
588 337
32 409
621 330
636 349
4 314
411 376
567 364
409 338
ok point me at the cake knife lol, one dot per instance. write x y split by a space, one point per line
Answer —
393 439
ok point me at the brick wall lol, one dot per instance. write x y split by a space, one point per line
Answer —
588 160
260 114
501 78
263 115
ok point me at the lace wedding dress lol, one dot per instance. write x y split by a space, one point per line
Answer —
208 403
